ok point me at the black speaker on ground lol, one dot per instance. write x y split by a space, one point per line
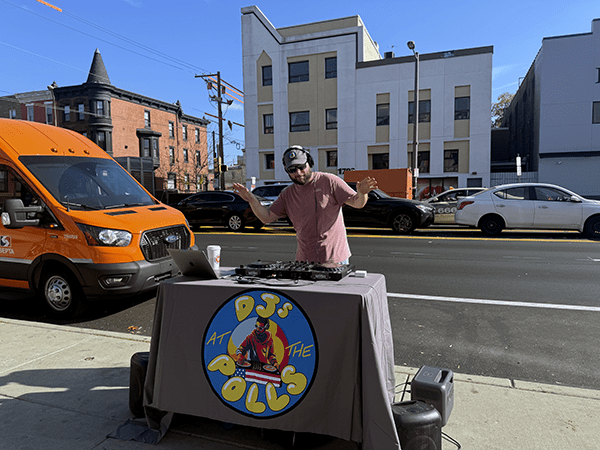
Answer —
419 425
137 376
436 387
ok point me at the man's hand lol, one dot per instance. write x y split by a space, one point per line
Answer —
259 210
362 190
242 191
367 185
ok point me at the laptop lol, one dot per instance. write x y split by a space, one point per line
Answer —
193 263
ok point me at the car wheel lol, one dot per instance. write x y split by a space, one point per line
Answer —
403 223
491 225
61 294
235 222
592 227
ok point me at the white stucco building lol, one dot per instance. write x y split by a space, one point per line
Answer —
325 86
554 118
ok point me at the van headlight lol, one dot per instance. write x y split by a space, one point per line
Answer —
105 237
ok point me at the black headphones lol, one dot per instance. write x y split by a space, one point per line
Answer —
263 321
297 148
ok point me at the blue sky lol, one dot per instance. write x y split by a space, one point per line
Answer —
156 47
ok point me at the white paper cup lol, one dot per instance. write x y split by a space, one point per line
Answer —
214 256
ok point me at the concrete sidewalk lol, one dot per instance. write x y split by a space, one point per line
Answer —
68 388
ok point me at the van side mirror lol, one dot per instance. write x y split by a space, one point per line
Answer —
15 213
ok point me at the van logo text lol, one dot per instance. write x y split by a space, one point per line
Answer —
171 239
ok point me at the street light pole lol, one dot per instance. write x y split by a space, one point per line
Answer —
411 45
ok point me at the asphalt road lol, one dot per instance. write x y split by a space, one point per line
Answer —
522 306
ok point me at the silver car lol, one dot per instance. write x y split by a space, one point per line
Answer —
530 205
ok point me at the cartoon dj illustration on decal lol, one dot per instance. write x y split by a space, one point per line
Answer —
258 346
260 353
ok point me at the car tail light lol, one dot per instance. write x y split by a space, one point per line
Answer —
463 204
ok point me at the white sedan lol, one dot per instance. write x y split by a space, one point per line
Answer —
529 205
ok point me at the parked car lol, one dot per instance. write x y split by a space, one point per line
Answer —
269 191
445 204
401 214
220 208
529 205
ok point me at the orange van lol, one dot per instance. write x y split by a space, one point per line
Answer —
75 224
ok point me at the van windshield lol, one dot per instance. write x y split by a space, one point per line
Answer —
87 183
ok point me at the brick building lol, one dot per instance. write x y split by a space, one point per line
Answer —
165 149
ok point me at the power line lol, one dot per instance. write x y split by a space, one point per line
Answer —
108 42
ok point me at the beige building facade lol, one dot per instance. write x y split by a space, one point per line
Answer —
325 86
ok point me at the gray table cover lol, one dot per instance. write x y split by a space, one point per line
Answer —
337 339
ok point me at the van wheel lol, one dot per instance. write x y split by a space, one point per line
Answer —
235 222
403 223
62 294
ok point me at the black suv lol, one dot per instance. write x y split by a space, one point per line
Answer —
401 214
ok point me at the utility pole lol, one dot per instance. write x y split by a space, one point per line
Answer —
219 99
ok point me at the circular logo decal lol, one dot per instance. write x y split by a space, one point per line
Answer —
260 353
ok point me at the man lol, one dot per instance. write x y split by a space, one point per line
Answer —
314 205
258 345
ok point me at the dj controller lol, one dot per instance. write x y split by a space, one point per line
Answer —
295 270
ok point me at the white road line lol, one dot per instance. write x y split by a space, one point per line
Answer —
495 302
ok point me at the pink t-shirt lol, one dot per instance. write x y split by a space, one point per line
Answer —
316 212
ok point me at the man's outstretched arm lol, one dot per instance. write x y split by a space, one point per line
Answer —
259 210
362 195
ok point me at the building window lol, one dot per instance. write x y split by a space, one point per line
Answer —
331 158
147 119
172 155
424 161
298 71
300 121
383 114
450 160
185 155
331 119
267 75
596 112
186 181
268 123
49 119
101 139
30 113
171 130
462 108
198 158
184 132
12 113
269 161
155 153
99 108
424 111
598 75
197 135
67 113
80 111
331 67
381 161
198 182
146 147
171 178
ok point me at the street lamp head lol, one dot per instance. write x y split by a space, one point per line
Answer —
411 45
